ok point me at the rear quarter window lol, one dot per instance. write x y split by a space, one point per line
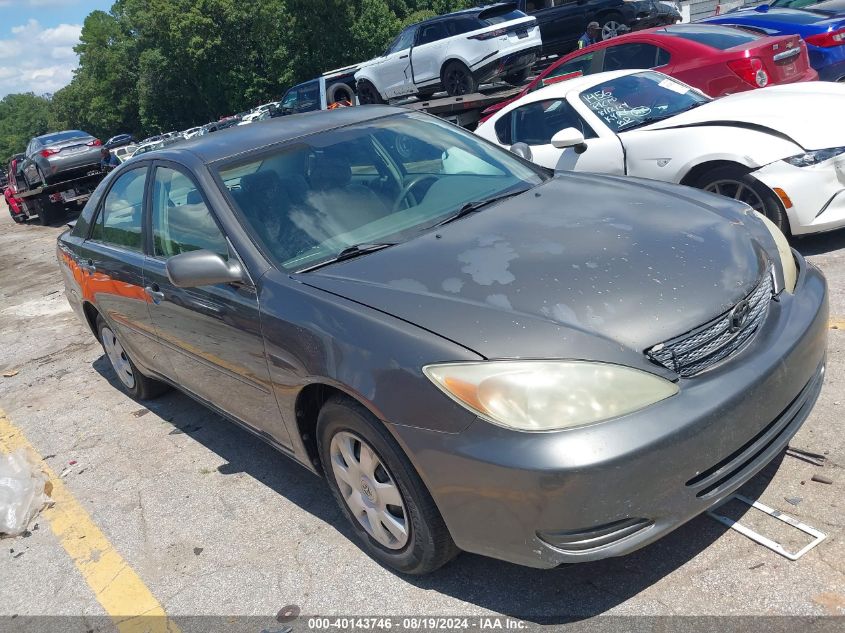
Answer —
715 36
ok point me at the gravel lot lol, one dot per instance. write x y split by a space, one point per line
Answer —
214 522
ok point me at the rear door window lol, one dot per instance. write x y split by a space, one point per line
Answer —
121 212
430 33
634 55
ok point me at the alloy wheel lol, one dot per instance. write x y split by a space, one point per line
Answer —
609 29
738 191
457 81
119 360
369 490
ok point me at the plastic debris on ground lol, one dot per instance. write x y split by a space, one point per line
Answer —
22 494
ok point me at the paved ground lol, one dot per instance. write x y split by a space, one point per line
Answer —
212 521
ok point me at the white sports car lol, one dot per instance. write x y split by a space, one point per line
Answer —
781 150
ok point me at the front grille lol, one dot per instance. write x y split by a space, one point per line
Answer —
715 341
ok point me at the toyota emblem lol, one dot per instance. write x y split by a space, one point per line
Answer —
739 315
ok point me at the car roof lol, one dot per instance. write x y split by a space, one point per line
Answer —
248 138
576 84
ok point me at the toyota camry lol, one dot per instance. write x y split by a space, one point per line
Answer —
475 354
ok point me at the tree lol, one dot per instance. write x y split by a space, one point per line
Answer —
156 65
22 116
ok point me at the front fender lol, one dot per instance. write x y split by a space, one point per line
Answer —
669 154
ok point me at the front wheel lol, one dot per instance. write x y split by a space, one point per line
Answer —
385 501
132 381
367 93
736 183
458 79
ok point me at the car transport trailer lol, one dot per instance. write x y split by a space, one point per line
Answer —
49 201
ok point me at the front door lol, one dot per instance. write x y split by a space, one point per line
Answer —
394 70
214 332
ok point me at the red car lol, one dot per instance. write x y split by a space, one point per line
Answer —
718 60
11 190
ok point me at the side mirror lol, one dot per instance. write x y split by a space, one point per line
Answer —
522 150
202 268
570 137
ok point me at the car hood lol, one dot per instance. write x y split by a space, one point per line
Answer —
801 112
578 260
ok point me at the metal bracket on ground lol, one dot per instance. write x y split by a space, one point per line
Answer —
817 535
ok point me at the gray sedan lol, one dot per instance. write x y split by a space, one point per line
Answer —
477 355
60 156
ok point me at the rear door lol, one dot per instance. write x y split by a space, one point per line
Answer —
111 262
213 333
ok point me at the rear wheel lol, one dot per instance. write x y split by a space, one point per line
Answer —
132 381
47 212
367 93
736 183
458 79
379 492
610 24
517 78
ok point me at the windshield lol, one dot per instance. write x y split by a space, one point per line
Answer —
634 100
382 180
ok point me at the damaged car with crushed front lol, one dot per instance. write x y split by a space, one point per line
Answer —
477 354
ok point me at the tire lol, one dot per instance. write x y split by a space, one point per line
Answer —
609 23
346 427
458 79
737 183
132 381
340 92
42 179
46 212
367 93
518 78
19 218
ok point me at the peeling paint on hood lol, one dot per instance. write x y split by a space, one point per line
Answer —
625 260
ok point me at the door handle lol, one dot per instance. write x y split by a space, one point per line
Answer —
403 57
154 293
89 267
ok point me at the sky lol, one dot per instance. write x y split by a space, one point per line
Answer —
36 42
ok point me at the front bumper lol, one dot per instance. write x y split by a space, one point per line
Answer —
542 499
816 193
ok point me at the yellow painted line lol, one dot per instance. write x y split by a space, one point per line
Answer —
837 324
120 591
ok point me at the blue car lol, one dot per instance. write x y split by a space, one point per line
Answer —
821 26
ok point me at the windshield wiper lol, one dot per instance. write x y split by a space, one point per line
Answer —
472 207
350 252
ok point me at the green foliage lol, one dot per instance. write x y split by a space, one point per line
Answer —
22 116
151 66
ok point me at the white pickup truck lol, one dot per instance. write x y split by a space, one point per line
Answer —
453 52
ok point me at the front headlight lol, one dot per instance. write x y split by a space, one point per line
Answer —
815 156
787 260
548 395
